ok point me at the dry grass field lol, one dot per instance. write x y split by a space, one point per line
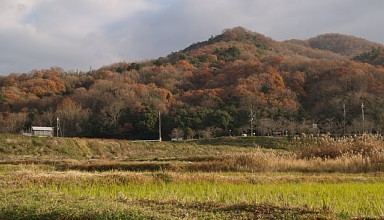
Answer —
228 178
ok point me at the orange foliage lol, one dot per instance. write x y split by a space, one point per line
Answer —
9 81
66 103
235 70
42 87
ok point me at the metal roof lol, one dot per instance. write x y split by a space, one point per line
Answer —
35 128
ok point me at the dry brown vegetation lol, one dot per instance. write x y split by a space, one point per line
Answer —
115 179
35 191
320 154
208 90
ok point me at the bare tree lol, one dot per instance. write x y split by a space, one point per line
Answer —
190 133
72 116
12 122
113 112
207 133
177 134
357 128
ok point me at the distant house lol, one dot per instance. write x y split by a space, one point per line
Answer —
42 131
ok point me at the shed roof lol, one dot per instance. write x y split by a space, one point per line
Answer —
35 128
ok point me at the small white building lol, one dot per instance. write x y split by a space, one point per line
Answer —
42 131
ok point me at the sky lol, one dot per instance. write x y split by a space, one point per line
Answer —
83 34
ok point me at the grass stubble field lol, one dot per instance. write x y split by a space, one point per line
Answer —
227 178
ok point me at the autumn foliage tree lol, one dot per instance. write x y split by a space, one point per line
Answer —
72 117
210 88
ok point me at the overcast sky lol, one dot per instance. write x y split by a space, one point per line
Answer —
79 34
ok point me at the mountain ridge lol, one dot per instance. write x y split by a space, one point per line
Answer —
343 44
323 46
207 89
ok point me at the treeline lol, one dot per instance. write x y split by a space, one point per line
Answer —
214 88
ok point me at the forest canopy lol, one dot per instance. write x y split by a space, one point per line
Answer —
218 87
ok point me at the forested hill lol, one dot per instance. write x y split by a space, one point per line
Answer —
342 44
211 88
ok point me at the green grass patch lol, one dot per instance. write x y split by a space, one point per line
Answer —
44 205
347 199
225 178
163 195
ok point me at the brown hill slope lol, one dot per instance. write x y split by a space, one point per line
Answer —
345 45
373 57
207 89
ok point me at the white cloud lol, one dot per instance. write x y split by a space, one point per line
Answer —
74 18
76 34
44 33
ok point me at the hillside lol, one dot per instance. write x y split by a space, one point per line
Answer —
345 45
303 49
19 148
212 88
374 57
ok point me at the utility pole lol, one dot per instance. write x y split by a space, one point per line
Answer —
362 113
159 127
62 130
344 119
251 122
57 126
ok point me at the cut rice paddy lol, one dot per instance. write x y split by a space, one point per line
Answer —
192 181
